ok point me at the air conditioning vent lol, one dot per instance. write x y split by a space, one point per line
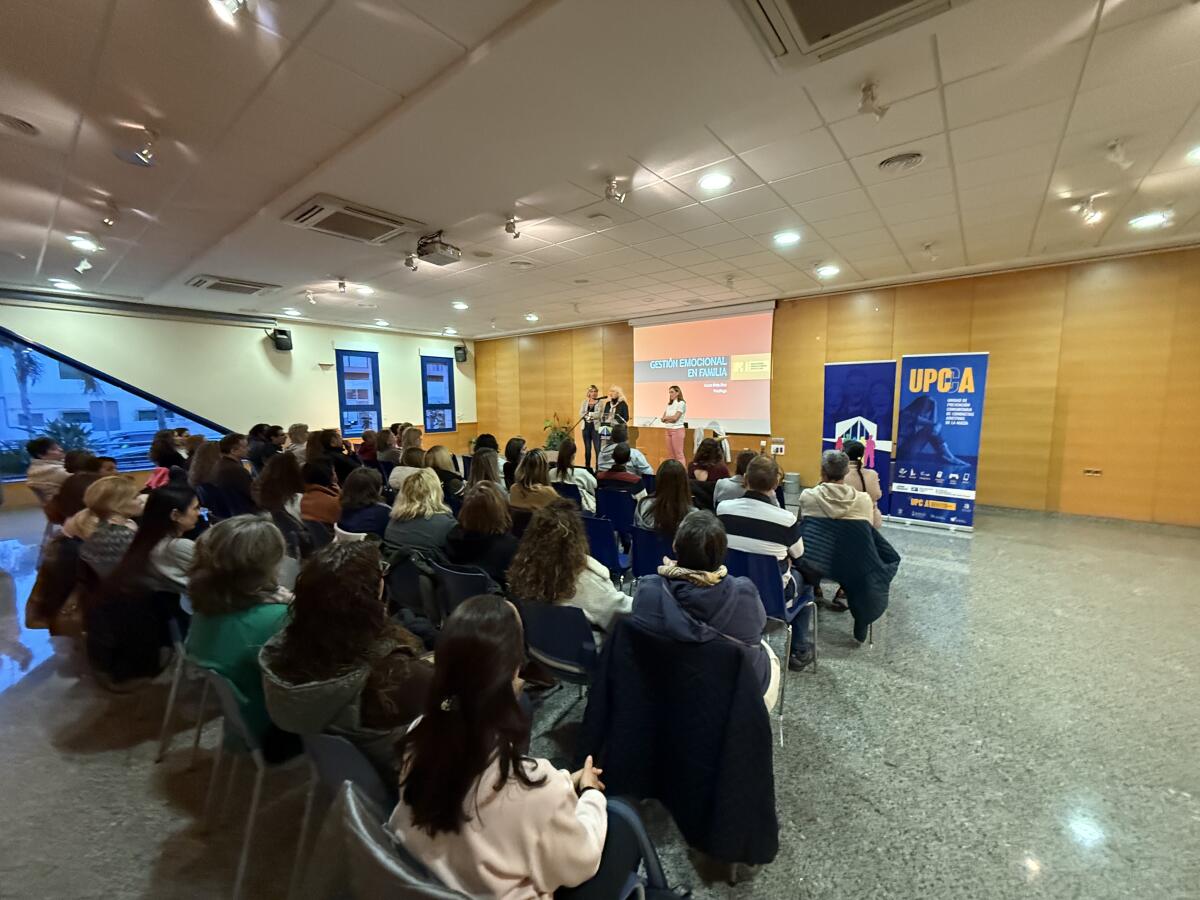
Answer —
803 32
352 221
232 285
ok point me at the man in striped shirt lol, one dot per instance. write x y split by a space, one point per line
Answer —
755 523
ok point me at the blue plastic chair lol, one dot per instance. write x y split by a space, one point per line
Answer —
602 544
466 466
456 583
649 548
561 639
618 507
568 490
648 481
212 498
455 502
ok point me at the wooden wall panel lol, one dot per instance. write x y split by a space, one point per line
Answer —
798 392
587 365
1112 373
1017 319
508 391
1176 490
530 352
860 326
486 396
932 318
618 359
559 376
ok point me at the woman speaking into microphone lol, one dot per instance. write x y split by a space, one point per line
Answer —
614 412
672 419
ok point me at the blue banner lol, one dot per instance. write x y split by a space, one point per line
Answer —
858 406
937 438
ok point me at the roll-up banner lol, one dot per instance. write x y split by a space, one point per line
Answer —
937 438
858 406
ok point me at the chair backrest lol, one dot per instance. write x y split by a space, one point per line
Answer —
602 542
336 760
561 638
764 571
617 507
456 583
520 520
649 482
213 499
466 466
454 501
569 490
320 533
355 857
347 537
649 548
231 709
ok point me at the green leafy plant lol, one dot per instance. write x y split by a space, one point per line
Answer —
69 435
13 459
556 433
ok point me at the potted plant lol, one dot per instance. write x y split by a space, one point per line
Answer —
556 433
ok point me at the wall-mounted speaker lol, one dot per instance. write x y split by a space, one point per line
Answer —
460 353
282 338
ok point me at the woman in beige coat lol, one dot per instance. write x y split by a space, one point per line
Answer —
866 480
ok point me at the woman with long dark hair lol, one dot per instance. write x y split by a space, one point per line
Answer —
160 555
483 536
278 491
363 509
163 450
671 501
566 472
862 478
513 451
489 820
341 665
485 466
708 463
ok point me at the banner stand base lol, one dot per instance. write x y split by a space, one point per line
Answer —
965 530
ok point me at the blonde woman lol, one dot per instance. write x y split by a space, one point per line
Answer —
438 459
531 486
410 437
106 524
589 415
615 411
420 519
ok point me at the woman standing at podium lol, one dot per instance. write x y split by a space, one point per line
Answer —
615 411
672 419
589 414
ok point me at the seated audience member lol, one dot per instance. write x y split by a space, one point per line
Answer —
412 461
410 437
237 606
386 449
485 441
106 525
341 665
279 490
566 472
204 462
488 820
363 509
735 486
513 450
84 468
108 466
297 441
46 471
159 557
709 462
755 523
164 450
833 498
860 478
671 501
618 477
273 439
366 451
182 435
396 428
552 565
485 466
695 600
321 501
439 460
638 464
192 443
483 535
327 445
421 520
231 475
531 487
255 438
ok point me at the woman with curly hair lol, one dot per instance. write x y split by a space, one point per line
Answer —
552 565
709 462
341 665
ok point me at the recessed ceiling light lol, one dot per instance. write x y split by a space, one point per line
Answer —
382 323
482 254
716 181
63 284
227 10
367 305
19 125
291 311
828 270
531 317
1194 155
1158 218
460 305
786 238
583 281
363 291
144 155
83 243
520 263
449 330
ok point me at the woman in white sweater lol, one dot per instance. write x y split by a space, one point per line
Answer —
552 565
866 480
488 820
567 472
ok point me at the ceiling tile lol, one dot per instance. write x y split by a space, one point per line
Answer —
589 244
1014 87
593 217
683 151
855 240
686 218
733 249
466 21
885 267
554 230
835 206
902 65
914 234
1130 52
916 210
329 92
560 198
1032 160
1117 14
660 196
790 156
762 123
831 228
665 246
1157 91
818 183
771 222
906 120
1187 141
638 232
1000 191
1036 125
920 184
740 204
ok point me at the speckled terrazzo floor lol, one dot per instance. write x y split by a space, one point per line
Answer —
1026 726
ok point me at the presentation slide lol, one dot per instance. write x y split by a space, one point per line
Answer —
722 366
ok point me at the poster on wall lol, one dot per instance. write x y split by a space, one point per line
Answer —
937 438
858 406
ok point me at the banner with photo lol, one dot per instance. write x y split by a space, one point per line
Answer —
858 406
937 437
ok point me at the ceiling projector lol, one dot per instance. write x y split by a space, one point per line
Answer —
432 249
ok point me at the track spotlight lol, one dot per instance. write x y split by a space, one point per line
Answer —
144 155
612 192
411 262
83 266
1116 154
930 253
1086 210
227 10
341 285
111 215
510 227
308 295
868 101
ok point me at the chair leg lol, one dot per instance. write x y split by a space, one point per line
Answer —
199 723
298 865
168 713
233 769
240 878
212 779
815 634
787 634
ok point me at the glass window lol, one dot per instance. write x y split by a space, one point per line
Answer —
43 392
358 391
437 393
